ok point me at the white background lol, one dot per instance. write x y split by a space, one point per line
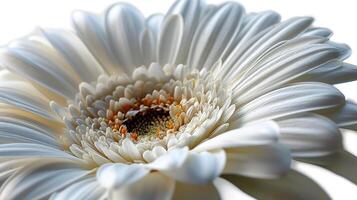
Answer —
19 17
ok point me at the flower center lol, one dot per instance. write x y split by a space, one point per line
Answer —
144 120
136 119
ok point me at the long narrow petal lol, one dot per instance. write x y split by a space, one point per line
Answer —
194 168
41 179
333 75
153 186
115 176
346 117
170 39
310 135
24 96
250 135
76 53
190 11
91 30
290 100
87 189
264 161
215 35
124 23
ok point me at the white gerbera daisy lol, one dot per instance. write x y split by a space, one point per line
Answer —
203 102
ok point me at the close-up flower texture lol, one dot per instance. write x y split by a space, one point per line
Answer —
201 102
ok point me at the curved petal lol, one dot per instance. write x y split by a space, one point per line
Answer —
76 53
190 11
293 186
346 117
228 191
26 150
40 63
124 23
194 168
40 179
239 60
153 186
281 69
215 35
91 30
87 189
23 96
342 73
317 31
264 161
250 135
118 175
290 100
170 40
24 133
310 135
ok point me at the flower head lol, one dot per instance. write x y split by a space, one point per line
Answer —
172 106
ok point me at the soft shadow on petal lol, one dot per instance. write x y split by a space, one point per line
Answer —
115 176
191 167
342 163
293 186
194 192
86 189
153 186
346 117
264 161
41 178
250 135
310 135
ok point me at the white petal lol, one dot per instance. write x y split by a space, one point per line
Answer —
228 191
317 31
22 95
333 75
39 180
215 35
153 186
153 23
39 62
76 53
118 175
250 135
346 117
148 47
294 99
200 168
91 30
263 161
124 24
170 40
172 160
131 150
27 150
87 189
281 69
310 135
263 41
190 12
23 133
